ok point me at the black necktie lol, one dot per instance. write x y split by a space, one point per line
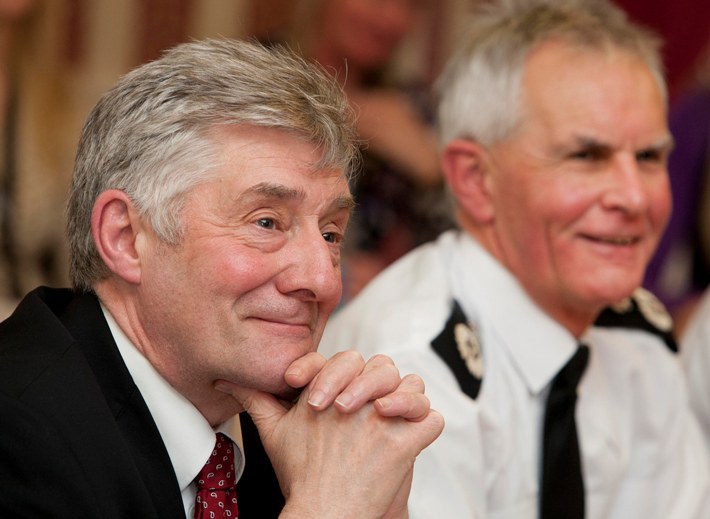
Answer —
562 494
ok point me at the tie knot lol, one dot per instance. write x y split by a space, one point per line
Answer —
218 472
570 375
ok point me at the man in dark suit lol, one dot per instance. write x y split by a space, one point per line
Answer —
209 200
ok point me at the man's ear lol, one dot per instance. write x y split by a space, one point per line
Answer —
116 226
467 168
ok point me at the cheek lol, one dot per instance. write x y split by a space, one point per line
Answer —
553 220
660 206
246 270
232 269
541 212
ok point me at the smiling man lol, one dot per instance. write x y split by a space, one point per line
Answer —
555 144
206 213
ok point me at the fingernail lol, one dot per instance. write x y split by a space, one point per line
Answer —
316 398
384 402
294 372
345 400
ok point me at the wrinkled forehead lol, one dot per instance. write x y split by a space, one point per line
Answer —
253 140
558 68
605 95
575 51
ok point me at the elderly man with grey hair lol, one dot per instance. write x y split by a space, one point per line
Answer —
555 375
206 214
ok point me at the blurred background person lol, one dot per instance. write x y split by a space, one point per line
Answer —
399 190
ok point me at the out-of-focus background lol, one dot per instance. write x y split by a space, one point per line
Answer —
58 56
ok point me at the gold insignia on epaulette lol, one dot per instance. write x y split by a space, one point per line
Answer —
653 310
623 306
469 348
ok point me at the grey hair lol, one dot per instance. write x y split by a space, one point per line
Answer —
479 90
153 135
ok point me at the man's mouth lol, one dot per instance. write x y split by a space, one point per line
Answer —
284 322
623 241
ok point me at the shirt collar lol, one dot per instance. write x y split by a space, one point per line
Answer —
538 346
188 436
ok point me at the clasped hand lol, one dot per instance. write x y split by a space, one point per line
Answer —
347 447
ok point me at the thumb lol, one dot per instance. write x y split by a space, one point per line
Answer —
265 409
431 427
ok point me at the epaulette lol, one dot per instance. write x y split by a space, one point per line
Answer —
459 347
641 311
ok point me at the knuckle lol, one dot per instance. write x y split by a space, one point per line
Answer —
349 356
414 381
380 359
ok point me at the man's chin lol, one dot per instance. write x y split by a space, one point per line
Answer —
288 394
611 287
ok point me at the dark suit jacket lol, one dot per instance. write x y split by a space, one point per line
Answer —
76 437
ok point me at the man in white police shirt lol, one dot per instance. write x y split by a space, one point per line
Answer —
555 143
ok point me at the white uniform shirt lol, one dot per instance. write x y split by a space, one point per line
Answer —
640 445
695 355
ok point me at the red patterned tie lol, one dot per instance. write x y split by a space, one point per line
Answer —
216 483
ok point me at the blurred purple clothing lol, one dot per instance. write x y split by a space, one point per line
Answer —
676 271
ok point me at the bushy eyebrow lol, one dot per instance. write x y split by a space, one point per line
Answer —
592 144
276 191
345 202
664 143
287 194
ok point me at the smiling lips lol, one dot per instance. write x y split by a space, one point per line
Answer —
299 322
615 240
284 321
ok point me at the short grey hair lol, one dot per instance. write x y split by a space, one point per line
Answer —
153 135
479 90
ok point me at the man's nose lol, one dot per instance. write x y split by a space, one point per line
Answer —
313 271
628 186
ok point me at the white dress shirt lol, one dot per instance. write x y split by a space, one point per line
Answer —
640 444
188 436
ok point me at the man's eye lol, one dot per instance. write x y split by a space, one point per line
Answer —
266 223
648 156
332 237
587 154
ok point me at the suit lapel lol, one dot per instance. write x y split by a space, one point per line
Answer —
258 490
84 319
